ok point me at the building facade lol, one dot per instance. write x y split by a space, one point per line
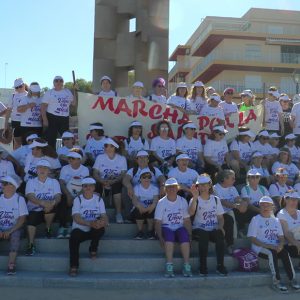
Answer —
258 50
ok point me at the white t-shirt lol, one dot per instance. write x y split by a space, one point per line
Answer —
95 147
10 210
295 153
145 196
296 113
58 102
13 103
32 116
136 177
172 214
273 110
229 194
277 190
291 222
42 190
191 147
245 150
88 209
21 153
265 230
291 169
213 112
163 148
254 196
229 108
206 216
179 102
198 104
158 99
110 168
186 178
216 150
67 173
134 146
110 93
265 149
6 168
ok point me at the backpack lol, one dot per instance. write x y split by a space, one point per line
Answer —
247 259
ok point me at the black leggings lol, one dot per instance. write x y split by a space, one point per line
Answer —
293 251
63 212
203 237
77 237
228 228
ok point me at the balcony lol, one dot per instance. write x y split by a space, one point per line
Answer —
183 66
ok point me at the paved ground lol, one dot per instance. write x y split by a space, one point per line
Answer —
197 294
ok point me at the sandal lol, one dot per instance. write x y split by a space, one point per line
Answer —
73 272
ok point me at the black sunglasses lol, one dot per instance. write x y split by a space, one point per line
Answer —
20 86
58 80
146 177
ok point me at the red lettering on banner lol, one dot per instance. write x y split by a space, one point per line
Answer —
251 116
152 133
184 119
155 112
173 115
228 124
137 109
122 106
100 101
203 122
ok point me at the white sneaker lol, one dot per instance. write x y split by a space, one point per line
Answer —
295 285
279 287
119 219
68 232
60 232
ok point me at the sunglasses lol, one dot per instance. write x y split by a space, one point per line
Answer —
72 158
164 129
230 93
67 139
87 185
6 183
138 127
146 177
220 133
20 86
254 177
160 86
58 80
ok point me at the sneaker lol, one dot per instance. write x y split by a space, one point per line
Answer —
169 272
150 235
119 219
295 285
203 272
279 286
139 236
221 270
11 269
60 232
30 250
49 234
67 232
187 270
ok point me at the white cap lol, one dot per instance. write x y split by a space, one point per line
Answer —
266 199
274 136
171 181
145 171
67 134
257 154
34 88
253 172
37 144
182 156
198 84
291 194
18 82
264 133
189 125
95 127
109 141
281 171
14 180
74 154
220 128
274 93
135 123
142 153
88 180
58 78
284 97
290 136
248 133
31 137
138 84
210 88
202 179
215 97
248 93
105 78
181 85
43 163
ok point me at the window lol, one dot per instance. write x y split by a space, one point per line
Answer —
275 29
132 25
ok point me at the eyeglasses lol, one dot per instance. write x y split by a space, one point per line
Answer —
67 139
58 80
164 129
220 133
6 183
254 177
20 86
30 140
87 185
146 177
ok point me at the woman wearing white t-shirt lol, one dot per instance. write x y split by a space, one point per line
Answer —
106 90
95 143
43 194
135 142
274 142
144 202
30 110
13 212
6 168
228 106
89 222
173 224
256 163
158 86
137 91
109 170
213 109
267 240
289 218
198 99
191 146
56 110
70 182
290 140
207 223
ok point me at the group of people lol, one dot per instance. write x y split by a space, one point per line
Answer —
180 190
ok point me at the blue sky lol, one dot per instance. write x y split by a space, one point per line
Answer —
42 38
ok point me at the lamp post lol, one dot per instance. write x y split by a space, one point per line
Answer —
296 78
